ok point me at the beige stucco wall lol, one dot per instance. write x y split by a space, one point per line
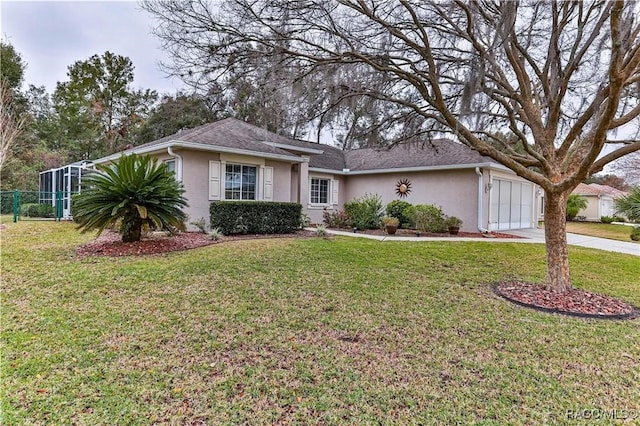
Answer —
281 180
315 212
455 191
195 177
591 212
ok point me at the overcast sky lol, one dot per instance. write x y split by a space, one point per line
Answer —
51 35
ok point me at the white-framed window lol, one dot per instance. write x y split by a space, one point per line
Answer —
319 191
240 182
171 165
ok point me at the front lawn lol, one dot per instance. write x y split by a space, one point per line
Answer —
309 331
602 230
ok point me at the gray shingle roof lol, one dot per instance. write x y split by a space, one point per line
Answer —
234 133
439 152
229 133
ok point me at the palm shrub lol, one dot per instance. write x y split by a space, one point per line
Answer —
575 203
132 192
629 205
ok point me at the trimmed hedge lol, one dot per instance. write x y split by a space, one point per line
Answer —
255 217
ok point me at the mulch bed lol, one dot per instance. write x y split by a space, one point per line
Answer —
412 233
110 243
575 302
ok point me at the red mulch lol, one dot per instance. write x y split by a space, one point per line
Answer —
110 243
573 302
412 233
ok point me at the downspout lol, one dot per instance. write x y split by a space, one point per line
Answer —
480 201
178 163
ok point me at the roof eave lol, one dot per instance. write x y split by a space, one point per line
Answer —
411 169
201 147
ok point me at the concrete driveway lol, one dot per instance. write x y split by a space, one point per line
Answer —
584 241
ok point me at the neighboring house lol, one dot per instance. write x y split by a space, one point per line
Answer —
233 160
600 200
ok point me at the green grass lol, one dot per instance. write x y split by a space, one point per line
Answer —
343 331
602 230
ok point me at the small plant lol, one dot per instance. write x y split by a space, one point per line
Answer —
453 222
581 218
335 219
200 224
390 221
215 234
606 219
321 231
619 219
305 220
635 233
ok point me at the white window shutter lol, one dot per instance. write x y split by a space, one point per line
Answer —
335 190
267 184
214 180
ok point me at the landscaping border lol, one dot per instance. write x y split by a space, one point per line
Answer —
635 312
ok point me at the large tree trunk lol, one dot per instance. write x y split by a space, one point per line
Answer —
555 233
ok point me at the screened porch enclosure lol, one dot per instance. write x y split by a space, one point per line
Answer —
61 183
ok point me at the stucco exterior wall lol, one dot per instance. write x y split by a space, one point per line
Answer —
195 178
281 180
455 191
315 212
592 212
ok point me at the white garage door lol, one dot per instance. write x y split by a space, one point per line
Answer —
510 205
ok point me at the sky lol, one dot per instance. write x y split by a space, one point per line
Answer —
52 35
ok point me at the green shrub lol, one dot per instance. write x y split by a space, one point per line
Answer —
428 218
6 202
36 210
575 203
336 219
365 212
635 233
255 217
629 205
619 219
401 210
606 219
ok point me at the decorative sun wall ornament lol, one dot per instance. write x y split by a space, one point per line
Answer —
403 187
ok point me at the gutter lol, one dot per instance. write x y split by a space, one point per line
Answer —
480 191
178 158
348 172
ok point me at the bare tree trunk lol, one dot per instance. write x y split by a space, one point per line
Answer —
555 233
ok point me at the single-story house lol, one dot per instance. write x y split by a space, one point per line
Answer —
600 200
233 160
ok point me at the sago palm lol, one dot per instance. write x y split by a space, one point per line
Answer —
133 191
629 205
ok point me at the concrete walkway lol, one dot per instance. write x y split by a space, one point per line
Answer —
535 236
584 241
